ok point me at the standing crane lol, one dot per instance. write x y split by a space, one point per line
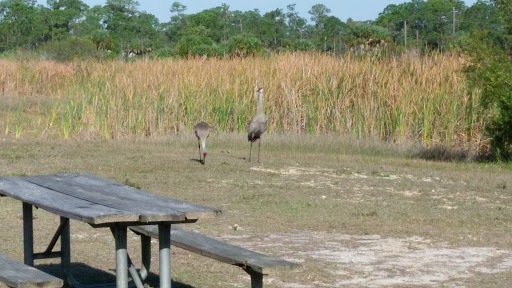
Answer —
258 124
202 131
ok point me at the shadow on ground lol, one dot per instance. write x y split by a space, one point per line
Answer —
88 275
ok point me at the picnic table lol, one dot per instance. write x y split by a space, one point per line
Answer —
100 203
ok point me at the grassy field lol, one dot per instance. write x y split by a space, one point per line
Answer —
353 213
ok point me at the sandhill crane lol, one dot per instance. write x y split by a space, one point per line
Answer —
202 131
258 124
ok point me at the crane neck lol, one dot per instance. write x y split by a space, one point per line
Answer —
203 145
260 104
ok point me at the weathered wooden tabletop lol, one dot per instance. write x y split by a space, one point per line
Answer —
101 202
98 201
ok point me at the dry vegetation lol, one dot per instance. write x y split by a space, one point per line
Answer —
401 100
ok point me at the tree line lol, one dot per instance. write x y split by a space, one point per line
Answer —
65 29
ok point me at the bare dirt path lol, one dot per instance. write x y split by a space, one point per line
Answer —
374 261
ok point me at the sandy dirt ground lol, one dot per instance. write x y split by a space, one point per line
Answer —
373 261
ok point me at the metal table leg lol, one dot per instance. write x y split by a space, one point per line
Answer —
145 245
120 235
164 237
65 248
122 260
123 263
28 235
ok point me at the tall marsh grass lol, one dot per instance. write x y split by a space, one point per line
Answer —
402 100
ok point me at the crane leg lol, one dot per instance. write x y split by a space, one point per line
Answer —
199 146
259 145
250 150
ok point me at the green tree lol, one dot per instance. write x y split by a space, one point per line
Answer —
357 33
318 12
65 17
178 21
483 16
295 23
91 27
437 19
215 20
21 25
274 28
393 17
319 16
244 23
193 38
250 22
226 19
491 71
146 34
332 30
178 8
131 28
428 22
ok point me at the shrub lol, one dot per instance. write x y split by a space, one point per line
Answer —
303 45
441 153
186 44
163 53
69 49
496 83
203 49
243 46
491 72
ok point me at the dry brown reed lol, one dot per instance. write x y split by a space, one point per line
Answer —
416 99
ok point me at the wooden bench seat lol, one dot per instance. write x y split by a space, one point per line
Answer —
18 275
252 262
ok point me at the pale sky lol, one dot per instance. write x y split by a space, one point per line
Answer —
358 10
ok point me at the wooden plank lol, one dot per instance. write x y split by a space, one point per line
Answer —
215 249
18 275
61 204
151 207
